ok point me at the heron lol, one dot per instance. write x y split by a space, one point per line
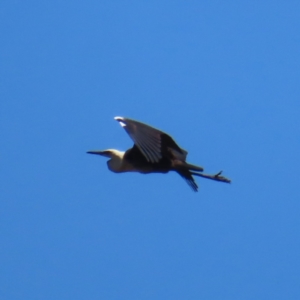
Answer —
154 151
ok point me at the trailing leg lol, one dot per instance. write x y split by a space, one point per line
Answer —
215 177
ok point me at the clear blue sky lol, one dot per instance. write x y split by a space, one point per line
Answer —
222 77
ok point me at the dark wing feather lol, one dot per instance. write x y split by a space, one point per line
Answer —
152 142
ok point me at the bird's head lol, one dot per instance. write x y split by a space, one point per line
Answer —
116 157
111 153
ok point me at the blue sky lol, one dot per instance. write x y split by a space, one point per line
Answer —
222 77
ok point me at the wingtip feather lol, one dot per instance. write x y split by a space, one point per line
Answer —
120 120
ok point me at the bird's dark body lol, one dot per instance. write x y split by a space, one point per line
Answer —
135 157
167 162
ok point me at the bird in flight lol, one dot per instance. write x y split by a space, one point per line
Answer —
153 152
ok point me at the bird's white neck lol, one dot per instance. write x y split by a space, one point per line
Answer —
116 163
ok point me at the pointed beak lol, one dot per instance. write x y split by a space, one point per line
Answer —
99 152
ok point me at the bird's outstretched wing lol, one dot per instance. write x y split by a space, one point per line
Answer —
152 142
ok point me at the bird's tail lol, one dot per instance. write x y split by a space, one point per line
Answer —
179 164
193 167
